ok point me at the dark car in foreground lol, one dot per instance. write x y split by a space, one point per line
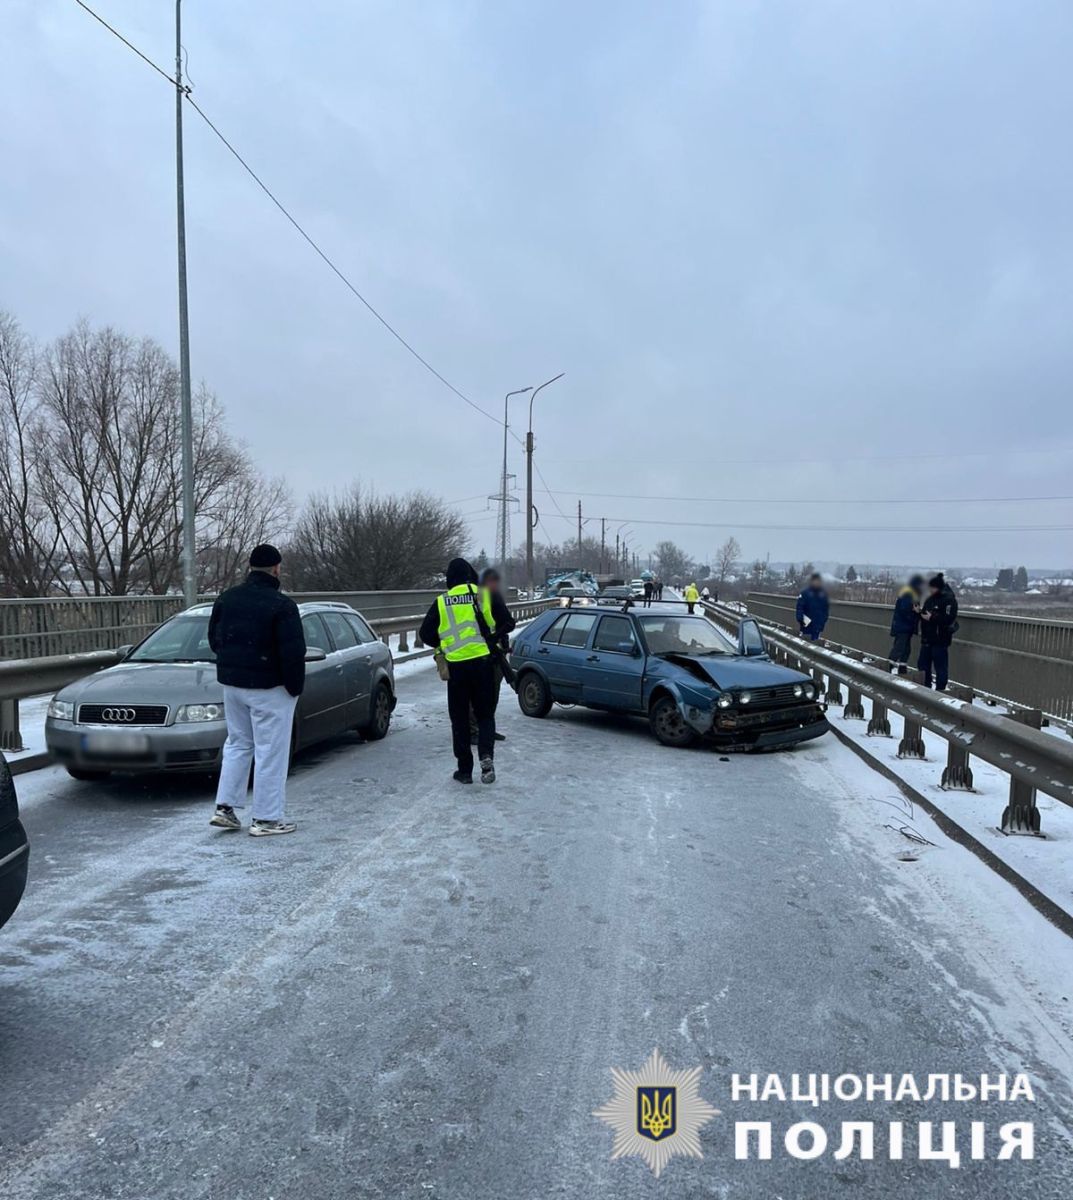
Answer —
681 672
161 709
14 846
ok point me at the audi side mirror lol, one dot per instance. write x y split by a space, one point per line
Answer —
315 654
627 648
123 651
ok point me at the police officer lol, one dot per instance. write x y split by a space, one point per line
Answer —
454 625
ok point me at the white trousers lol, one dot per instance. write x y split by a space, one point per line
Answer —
259 724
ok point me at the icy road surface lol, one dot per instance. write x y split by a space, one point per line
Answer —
421 994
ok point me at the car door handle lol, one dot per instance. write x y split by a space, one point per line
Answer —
593 658
543 650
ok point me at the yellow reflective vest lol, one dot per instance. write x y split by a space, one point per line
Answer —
460 635
691 594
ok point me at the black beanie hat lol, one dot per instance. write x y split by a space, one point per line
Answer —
265 556
937 581
459 572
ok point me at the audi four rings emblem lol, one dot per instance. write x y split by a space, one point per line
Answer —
119 714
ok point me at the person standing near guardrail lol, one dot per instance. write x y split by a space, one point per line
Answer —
938 624
691 595
904 623
461 625
813 608
256 635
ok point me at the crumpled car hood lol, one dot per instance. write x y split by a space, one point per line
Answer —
732 671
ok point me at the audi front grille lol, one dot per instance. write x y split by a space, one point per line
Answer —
122 714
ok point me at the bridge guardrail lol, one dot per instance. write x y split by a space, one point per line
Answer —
1013 742
1028 658
22 678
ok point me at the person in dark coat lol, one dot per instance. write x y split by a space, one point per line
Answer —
648 587
904 622
505 624
813 608
256 634
938 624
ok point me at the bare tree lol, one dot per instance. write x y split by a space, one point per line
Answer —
725 558
359 541
673 562
28 540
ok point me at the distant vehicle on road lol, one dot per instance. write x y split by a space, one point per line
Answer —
575 597
684 674
637 587
617 595
14 846
161 709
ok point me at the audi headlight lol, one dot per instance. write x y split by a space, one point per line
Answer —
61 710
200 712
724 702
744 697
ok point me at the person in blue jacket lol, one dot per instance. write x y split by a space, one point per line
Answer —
813 607
905 622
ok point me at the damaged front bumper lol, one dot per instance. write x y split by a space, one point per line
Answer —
760 729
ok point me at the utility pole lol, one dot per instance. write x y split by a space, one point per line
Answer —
503 532
603 542
187 422
529 522
579 535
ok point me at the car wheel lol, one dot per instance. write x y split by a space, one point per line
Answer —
84 776
667 725
380 710
534 698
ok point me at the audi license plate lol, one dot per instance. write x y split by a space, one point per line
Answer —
120 743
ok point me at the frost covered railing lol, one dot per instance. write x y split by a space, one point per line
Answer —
22 678
1013 741
1025 659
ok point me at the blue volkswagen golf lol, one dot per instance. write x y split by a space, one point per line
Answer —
687 677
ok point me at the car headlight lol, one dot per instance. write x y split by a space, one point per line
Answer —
808 691
724 701
200 712
744 697
61 710
799 690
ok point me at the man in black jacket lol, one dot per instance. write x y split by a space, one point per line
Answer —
490 581
256 634
938 624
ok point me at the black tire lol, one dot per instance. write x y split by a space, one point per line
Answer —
86 776
667 725
534 696
380 714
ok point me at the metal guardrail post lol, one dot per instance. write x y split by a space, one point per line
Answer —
1021 814
10 734
834 689
879 725
957 774
912 743
854 709
404 645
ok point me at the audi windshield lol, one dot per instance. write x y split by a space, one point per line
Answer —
668 634
180 640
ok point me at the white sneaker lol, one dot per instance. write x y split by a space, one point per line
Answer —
264 828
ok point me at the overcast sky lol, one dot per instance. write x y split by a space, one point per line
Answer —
784 252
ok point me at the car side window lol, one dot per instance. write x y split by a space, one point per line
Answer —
365 634
314 633
342 633
614 635
555 629
578 628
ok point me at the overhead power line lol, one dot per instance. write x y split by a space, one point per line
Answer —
652 460
798 500
297 225
813 528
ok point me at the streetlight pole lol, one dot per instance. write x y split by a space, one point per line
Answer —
529 486
504 512
187 419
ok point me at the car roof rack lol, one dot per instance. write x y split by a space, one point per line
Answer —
333 604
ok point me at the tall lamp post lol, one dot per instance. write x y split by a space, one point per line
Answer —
504 512
529 486
187 420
